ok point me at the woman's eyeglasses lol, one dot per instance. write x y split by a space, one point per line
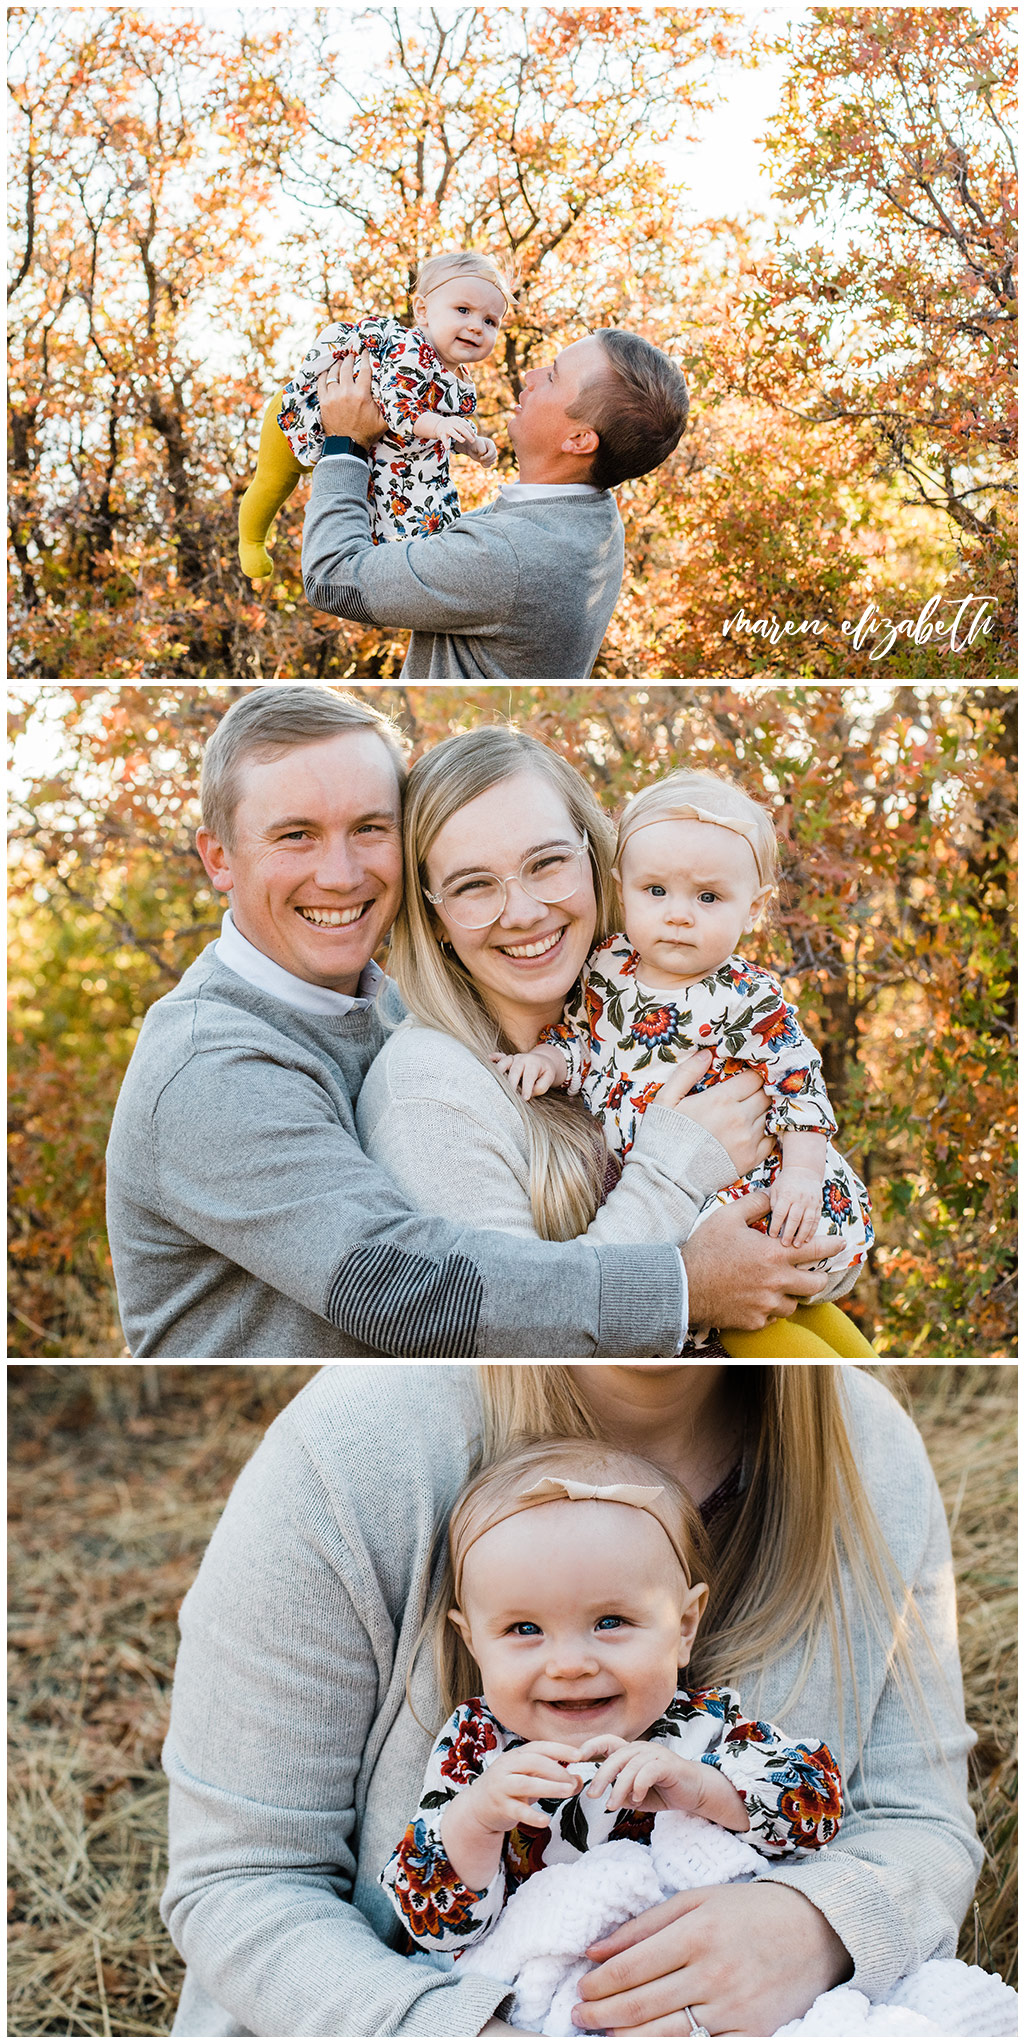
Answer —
476 899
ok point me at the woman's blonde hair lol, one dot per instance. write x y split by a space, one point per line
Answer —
464 262
498 1493
567 1152
678 794
803 1518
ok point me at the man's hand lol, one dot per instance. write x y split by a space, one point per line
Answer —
347 406
740 1278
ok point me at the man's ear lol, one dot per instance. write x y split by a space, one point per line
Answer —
461 1624
216 858
697 1597
583 441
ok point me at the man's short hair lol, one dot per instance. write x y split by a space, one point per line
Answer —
268 722
638 408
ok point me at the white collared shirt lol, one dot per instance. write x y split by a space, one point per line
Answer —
520 490
236 952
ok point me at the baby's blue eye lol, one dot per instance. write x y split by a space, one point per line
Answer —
602 1623
707 895
657 892
526 1629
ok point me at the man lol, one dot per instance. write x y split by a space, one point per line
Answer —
524 588
244 1218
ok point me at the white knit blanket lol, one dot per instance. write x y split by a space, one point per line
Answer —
538 1942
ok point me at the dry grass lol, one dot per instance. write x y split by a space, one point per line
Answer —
117 1477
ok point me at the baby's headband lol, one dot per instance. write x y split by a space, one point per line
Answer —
613 1493
689 812
549 1489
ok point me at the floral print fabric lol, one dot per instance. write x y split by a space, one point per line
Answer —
792 1791
616 1037
409 489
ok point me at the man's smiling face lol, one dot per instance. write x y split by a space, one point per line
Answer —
314 870
540 428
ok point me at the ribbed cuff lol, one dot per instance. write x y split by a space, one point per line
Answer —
643 1300
861 1910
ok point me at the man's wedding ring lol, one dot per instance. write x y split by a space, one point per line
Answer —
696 2029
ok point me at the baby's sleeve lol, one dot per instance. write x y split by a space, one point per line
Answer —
761 1027
792 1789
327 347
438 1910
572 1035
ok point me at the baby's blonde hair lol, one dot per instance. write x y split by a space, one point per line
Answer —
499 1492
468 262
679 793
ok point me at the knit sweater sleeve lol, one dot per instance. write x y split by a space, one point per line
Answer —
445 1129
900 1877
285 1647
465 579
439 1911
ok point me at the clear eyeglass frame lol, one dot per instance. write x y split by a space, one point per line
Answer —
571 879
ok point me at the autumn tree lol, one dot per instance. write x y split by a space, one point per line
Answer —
894 145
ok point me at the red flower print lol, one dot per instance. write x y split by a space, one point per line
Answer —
813 1807
656 1025
795 1082
398 506
524 1854
836 1202
473 1737
641 1101
635 1824
595 1009
428 1887
775 1029
705 1029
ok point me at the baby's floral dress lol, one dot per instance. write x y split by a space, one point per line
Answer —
792 1790
618 1038
409 489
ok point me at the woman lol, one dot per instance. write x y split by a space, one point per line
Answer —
484 963
295 1755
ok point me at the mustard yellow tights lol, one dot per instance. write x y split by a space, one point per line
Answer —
277 473
809 1331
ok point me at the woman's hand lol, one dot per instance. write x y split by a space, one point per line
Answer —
745 1959
733 1111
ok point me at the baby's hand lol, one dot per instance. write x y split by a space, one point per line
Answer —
796 1205
505 1793
534 1071
485 451
448 427
647 1776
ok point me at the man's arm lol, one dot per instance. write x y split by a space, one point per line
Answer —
249 1159
461 580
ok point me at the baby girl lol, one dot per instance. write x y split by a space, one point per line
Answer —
421 386
696 864
574 1605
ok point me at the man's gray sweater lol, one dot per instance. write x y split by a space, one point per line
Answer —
245 1220
515 591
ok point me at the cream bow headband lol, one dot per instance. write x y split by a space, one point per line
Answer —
612 1493
548 1490
690 812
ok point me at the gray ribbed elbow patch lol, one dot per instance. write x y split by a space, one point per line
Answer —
340 600
404 1305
